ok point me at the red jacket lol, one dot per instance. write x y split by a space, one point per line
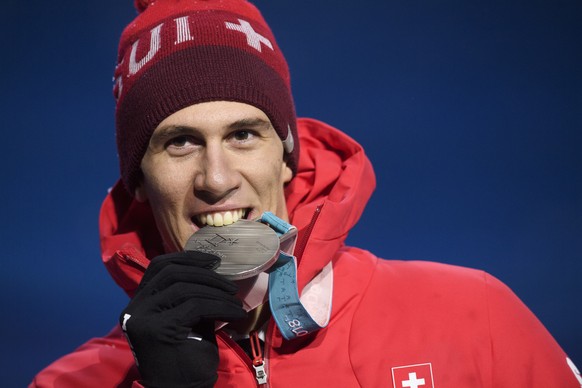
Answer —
393 323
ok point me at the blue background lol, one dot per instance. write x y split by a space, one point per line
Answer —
470 111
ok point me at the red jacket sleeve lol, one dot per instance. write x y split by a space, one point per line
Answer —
524 354
101 362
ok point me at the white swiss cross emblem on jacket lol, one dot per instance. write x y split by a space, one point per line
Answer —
413 376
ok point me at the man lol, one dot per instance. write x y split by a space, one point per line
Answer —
207 135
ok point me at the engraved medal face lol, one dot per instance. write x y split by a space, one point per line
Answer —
246 248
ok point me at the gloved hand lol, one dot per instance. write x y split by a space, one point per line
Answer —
169 323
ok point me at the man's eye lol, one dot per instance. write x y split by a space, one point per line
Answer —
242 135
180 141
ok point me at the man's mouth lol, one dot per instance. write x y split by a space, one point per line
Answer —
221 218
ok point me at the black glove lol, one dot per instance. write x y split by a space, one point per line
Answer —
169 323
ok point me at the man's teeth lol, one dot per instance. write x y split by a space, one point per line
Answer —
221 218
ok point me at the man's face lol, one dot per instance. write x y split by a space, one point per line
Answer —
212 163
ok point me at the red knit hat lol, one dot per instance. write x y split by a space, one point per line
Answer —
177 53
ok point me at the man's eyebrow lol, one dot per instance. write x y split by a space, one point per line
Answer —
250 122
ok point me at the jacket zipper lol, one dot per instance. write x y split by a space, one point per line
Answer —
250 363
132 258
300 248
258 360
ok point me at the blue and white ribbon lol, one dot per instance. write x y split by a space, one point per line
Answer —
290 315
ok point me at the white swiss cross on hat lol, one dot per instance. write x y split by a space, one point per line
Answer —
254 39
413 376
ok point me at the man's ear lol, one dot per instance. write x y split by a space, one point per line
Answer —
286 172
140 193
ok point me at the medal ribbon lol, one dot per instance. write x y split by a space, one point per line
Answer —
291 317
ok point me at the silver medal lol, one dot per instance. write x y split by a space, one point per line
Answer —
246 248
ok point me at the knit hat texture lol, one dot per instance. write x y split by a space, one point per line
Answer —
177 53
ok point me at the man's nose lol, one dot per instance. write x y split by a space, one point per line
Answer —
217 177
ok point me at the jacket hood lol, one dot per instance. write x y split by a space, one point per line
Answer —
325 199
